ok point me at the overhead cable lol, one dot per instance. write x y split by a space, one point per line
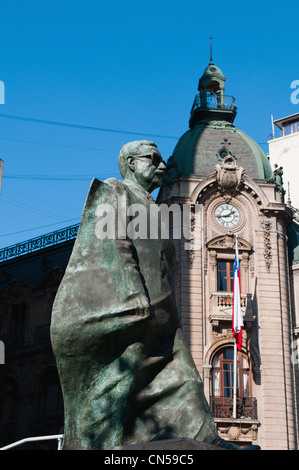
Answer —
79 126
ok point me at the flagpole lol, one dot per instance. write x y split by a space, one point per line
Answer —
235 382
235 370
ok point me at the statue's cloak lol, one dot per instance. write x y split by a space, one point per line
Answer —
126 373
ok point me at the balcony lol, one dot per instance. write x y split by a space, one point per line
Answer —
213 106
214 102
243 428
221 304
222 407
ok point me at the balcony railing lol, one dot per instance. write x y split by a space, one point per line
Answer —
226 300
38 243
221 304
222 407
214 102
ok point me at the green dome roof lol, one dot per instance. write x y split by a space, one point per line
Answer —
212 71
205 145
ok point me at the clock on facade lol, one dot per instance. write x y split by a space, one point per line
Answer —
227 215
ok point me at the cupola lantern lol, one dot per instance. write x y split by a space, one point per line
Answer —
211 103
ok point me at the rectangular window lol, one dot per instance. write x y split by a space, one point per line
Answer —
287 130
225 276
17 322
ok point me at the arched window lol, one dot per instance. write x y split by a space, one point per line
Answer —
222 384
223 369
50 403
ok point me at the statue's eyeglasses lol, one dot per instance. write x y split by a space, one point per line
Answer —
155 158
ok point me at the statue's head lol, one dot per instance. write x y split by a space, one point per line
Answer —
141 162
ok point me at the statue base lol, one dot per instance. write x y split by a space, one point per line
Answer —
170 444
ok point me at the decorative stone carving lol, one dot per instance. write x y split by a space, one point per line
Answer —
229 176
276 178
245 431
191 251
267 225
228 242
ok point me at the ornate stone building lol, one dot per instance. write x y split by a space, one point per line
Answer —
30 393
218 166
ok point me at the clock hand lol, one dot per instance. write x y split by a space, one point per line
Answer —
231 212
226 215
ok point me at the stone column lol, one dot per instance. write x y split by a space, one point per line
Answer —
277 406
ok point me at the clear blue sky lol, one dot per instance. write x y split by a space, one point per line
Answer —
124 66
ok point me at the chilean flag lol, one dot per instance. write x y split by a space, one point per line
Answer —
237 321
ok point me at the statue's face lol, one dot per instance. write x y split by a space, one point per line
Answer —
148 169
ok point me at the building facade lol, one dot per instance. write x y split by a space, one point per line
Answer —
218 166
30 394
232 190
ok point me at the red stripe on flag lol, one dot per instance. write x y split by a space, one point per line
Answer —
237 321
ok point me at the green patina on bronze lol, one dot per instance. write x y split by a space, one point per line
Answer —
126 373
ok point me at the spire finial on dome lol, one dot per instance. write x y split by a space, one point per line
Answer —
211 59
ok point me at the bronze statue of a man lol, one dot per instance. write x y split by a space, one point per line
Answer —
126 373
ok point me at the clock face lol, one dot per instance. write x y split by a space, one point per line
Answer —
227 215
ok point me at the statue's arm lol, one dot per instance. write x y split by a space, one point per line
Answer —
118 254
102 292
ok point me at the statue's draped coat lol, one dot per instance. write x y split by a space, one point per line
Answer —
126 373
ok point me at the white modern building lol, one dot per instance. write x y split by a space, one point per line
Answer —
284 151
